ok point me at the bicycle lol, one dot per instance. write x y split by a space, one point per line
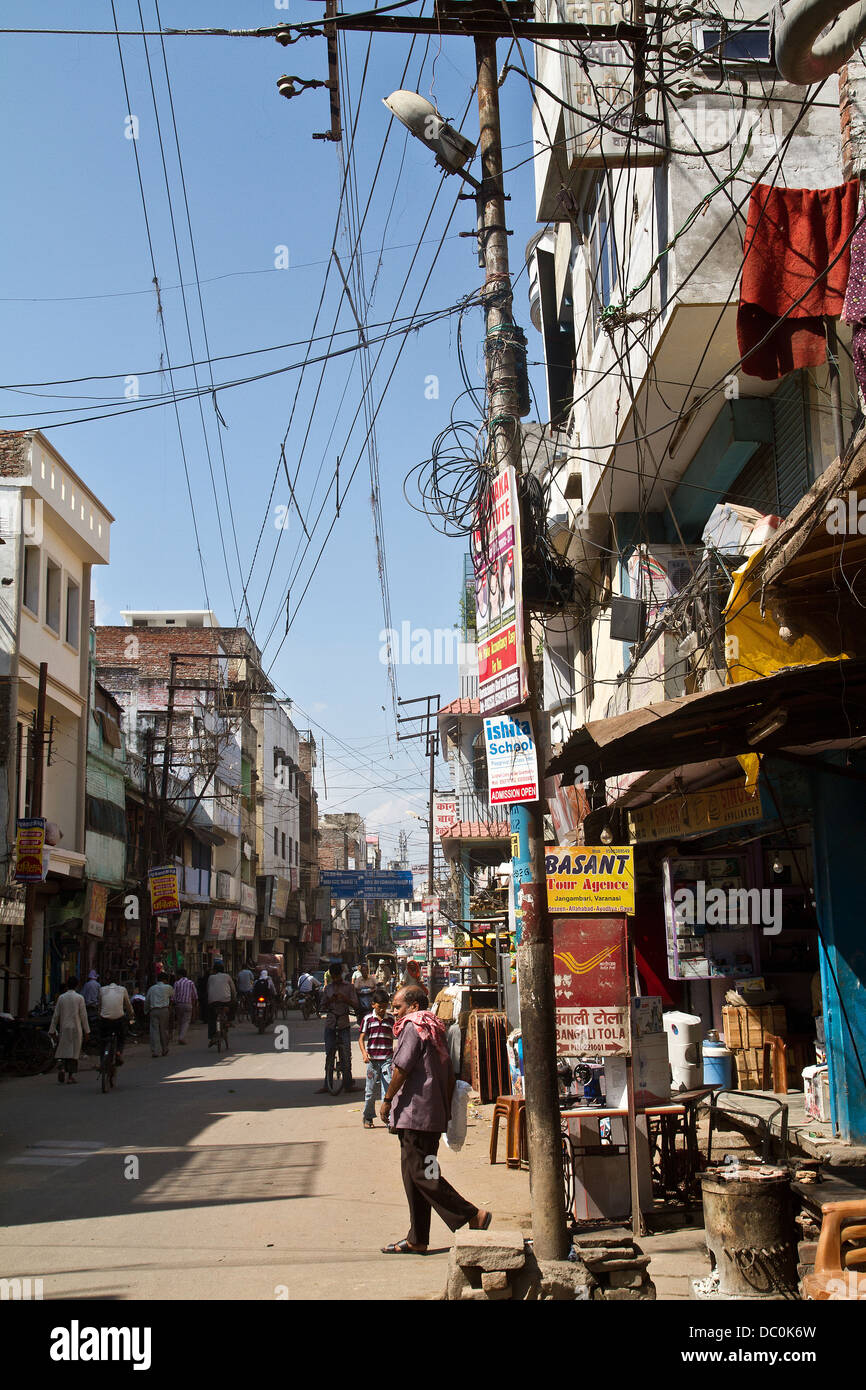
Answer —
108 1063
336 1063
222 1029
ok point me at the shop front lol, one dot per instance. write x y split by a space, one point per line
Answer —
746 868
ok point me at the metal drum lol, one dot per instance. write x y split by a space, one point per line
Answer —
750 1233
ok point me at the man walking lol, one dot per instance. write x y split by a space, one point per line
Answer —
156 1003
420 1089
184 1002
69 1024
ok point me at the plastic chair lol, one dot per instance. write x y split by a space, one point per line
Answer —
512 1109
839 1273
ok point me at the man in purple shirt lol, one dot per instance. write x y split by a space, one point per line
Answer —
421 1088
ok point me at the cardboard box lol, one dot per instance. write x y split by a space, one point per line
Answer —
749 1027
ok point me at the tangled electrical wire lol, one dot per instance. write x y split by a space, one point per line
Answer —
453 484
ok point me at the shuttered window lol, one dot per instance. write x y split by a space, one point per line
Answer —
776 477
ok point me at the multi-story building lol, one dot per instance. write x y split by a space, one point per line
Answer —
669 466
188 687
53 531
278 831
343 845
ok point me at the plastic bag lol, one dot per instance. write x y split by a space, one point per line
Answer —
455 1135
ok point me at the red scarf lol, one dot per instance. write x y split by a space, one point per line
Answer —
429 1028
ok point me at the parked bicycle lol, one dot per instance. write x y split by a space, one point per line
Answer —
108 1062
25 1047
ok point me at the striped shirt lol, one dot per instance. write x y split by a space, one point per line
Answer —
378 1035
184 991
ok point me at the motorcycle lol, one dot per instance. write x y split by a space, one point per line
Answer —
262 1009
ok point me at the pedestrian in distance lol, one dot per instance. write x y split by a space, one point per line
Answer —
90 993
185 998
376 1041
339 1000
156 1003
420 1091
220 991
70 1026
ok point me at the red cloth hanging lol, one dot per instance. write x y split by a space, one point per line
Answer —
792 235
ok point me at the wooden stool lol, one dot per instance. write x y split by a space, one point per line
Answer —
513 1110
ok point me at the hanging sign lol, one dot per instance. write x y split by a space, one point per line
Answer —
496 559
590 976
586 879
512 767
164 889
97 902
444 812
696 813
31 852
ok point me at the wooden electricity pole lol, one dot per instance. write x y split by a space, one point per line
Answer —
35 812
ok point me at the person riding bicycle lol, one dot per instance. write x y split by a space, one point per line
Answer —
308 984
221 993
339 999
245 985
115 1007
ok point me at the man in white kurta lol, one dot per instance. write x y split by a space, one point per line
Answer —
69 1023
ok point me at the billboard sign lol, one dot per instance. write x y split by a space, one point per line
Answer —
367 883
512 767
31 852
164 889
444 812
496 558
583 878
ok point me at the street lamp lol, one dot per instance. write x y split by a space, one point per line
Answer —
421 119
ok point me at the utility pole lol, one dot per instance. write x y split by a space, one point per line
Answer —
430 733
35 812
535 950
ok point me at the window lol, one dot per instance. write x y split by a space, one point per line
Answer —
283 855
750 45
73 612
53 576
32 562
479 763
297 851
276 841
600 236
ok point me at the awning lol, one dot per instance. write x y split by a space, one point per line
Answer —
792 709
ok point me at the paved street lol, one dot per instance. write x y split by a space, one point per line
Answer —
250 1186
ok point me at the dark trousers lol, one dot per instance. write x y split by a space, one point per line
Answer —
426 1188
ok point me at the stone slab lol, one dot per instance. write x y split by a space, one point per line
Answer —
608 1266
489 1250
647 1293
497 1279
627 1279
617 1236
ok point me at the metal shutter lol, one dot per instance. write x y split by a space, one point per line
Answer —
791 442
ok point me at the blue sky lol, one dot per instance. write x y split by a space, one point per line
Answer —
78 302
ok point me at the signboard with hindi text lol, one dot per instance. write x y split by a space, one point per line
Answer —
696 813
164 889
584 878
31 852
590 976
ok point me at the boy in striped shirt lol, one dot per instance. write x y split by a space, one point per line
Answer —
376 1042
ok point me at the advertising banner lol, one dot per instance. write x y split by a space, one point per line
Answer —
590 976
280 902
97 902
31 852
444 812
696 813
512 767
223 923
590 879
194 921
496 558
164 889
246 926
